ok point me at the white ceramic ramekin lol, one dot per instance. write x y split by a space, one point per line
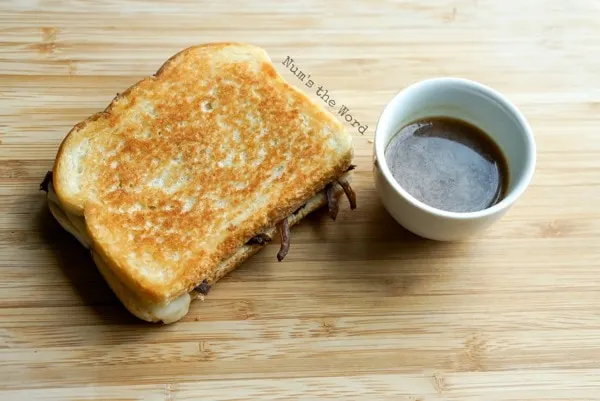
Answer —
471 102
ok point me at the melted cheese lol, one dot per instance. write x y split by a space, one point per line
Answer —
64 221
168 313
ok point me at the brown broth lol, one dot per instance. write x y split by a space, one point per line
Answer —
448 164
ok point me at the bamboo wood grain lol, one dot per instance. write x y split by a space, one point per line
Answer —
360 309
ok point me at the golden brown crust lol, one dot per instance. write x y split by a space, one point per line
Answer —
184 167
75 204
156 313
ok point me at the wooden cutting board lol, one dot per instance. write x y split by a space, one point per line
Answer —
360 309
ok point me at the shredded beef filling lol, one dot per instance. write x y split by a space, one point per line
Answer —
332 202
203 288
260 239
349 193
284 232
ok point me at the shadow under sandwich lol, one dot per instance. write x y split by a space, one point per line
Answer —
76 264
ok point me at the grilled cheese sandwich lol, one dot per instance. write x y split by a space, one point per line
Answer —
193 170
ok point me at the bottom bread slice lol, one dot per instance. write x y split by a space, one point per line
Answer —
177 308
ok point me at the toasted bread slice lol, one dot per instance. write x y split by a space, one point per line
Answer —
176 309
184 167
